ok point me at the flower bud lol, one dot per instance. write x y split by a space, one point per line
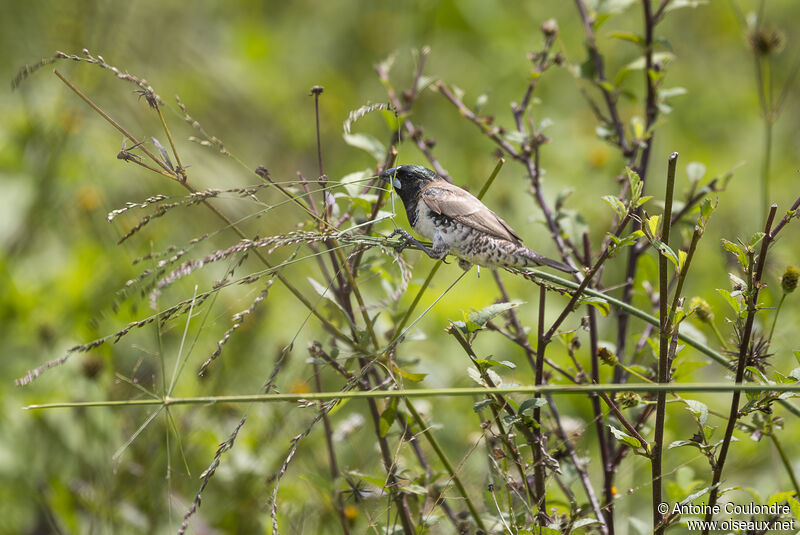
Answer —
607 357
702 309
550 27
789 279
627 400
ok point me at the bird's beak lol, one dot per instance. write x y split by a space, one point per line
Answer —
390 175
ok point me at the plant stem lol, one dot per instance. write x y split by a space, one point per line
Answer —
775 320
753 286
538 443
665 334
786 462
578 390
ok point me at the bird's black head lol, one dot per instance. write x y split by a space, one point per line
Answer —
408 180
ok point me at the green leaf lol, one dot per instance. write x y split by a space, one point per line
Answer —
530 404
732 301
481 317
700 410
353 183
682 443
662 58
735 249
652 225
795 505
755 238
600 304
388 417
367 143
706 208
681 260
413 377
415 489
625 438
665 250
628 36
616 204
780 497
482 404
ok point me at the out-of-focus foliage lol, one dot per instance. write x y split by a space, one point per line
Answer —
244 70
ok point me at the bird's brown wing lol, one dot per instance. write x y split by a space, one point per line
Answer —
456 203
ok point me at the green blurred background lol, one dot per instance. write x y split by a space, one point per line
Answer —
244 70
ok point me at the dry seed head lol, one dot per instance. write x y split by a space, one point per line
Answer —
766 41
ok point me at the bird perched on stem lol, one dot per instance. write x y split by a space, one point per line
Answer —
458 223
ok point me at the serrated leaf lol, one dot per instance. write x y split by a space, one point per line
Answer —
475 375
706 208
624 437
681 443
635 183
481 317
482 404
735 249
699 409
732 301
665 250
616 204
755 238
530 404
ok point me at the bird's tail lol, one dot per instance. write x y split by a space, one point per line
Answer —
540 260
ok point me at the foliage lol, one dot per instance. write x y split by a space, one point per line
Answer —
273 280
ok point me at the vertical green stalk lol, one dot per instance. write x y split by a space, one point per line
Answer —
665 331
538 442
753 286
